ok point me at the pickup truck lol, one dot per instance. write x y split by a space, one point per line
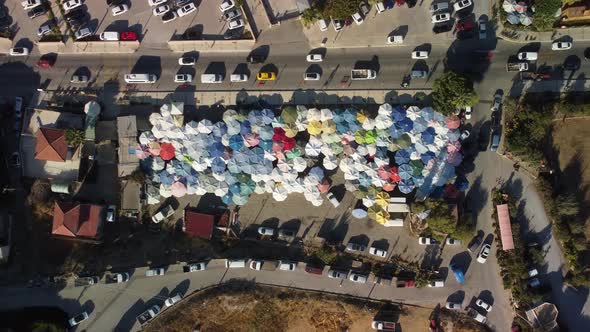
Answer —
86 281
117 278
164 213
517 66
363 74
194 267
148 315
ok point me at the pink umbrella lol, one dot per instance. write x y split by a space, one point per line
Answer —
384 172
251 139
388 186
141 153
453 122
167 151
324 186
178 189
520 7
154 148
277 147
453 147
455 159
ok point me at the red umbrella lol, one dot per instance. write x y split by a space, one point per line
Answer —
289 143
384 172
453 122
167 151
394 176
279 134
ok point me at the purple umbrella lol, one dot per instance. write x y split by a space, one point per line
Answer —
245 127
402 157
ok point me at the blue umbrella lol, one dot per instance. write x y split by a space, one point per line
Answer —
406 125
266 132
218 165
428 135
461 183
438 117
240 199
402 157
381 152
257 155
235 188
354 126
182 169
395 131
216 150
420 125
219 129
266 145
418 180
342 127
236 142
405 171
245 127
453 135
338 115
166 178
349 115
427 156
364 180
406 186
398 113
227 198
427 113
267 116
255 117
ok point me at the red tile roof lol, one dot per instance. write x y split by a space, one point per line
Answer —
51 145
505 228
77 220
198 224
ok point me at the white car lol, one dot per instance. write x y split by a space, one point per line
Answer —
332 199
482 304
159 271
462 4
235 24
419 55
377 252
315 57
227 5
426 241
357 18
237 78
111 213
395 39
19 51
172 300
30 4
468 112
311 76
484 253
120 9
338 25
380 7
183 78
161 10
528 56
436 283
231 14
453 306
79 318
156 2
561 46
439 18
482 29
186 9
71 4
464 135
453 242
266 231
497 102
44 30
358 278
438 6
187 61
80 79
287 266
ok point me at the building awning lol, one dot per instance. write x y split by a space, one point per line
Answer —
505 229
198 224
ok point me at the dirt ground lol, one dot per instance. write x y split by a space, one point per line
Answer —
255 308
570 139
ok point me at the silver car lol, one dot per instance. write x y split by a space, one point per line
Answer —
482 29
358 278
335 274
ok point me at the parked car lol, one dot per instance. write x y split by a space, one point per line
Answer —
314 270
161 10
335 274
475 242
36 12
464 135
462 4
111 213
267 231
287 266
19 51
79 79
120 9
495 144
377 252
45 63
439 18
169 16
79 318
357 18
453 242
30 4
287 234
497 103
358 278
43 30
484 305
438 6
484 253
561 46
426 241
15 160
380 7
465 25
330 196
266 76
237 78
128 36
453 306
183 78
231 14
315 57
71 4
172 300
338 24
156 2
364 8
436 283
159 271
187 61
186 9
482 29
419 55
355 247
194 267
468 112
235 24
226 5
528 56
83 33
311 76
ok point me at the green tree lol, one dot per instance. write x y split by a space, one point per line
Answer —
74 137
452 91
440 219
567 205
544 15
310 16
341 9
41 326
526 129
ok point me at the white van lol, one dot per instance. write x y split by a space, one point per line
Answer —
238 78
323 24
109 35
140 78
211 78
235 263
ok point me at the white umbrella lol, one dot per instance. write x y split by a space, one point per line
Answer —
177 108
165 110
280 193
205 126
326 114
369 124
299 164
413 112
221 189
383 121
313 114
165 191
369 201
191 127
146 137
330 162
385 109
269 186
158 131
313 148
155 118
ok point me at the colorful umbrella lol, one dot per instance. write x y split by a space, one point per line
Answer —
382 199
251 140
388 186
323 186
279 134
314 127
405 171
406 186
178 189
291 130
453 122
167 151
289 114
402 157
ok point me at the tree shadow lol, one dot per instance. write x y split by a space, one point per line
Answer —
128 318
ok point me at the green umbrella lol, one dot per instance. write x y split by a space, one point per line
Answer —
359 136
336 148
370 137
373 191
293 153
242 177
360 194
393 146
417 165
404 141
289 114
247 188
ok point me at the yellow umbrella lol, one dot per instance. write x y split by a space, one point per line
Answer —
382 217
329 127
290 129
373 210
361 116
314 127
382 199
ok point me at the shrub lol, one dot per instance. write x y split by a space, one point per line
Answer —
74 137
453 91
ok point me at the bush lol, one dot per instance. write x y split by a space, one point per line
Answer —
326 255
341 9
544 15
311 15
453 91
74 137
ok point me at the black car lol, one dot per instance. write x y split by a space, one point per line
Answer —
75 14
441 28
256 58
572 62
495 120
233 34
474 244
406 81
36 12
482 140
587 53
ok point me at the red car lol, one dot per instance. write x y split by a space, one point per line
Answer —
129 36
44 63
465 25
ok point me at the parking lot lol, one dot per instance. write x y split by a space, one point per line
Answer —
25 28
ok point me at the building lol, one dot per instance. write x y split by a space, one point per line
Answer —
198 224
44 151
578 12
78 221
127 131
